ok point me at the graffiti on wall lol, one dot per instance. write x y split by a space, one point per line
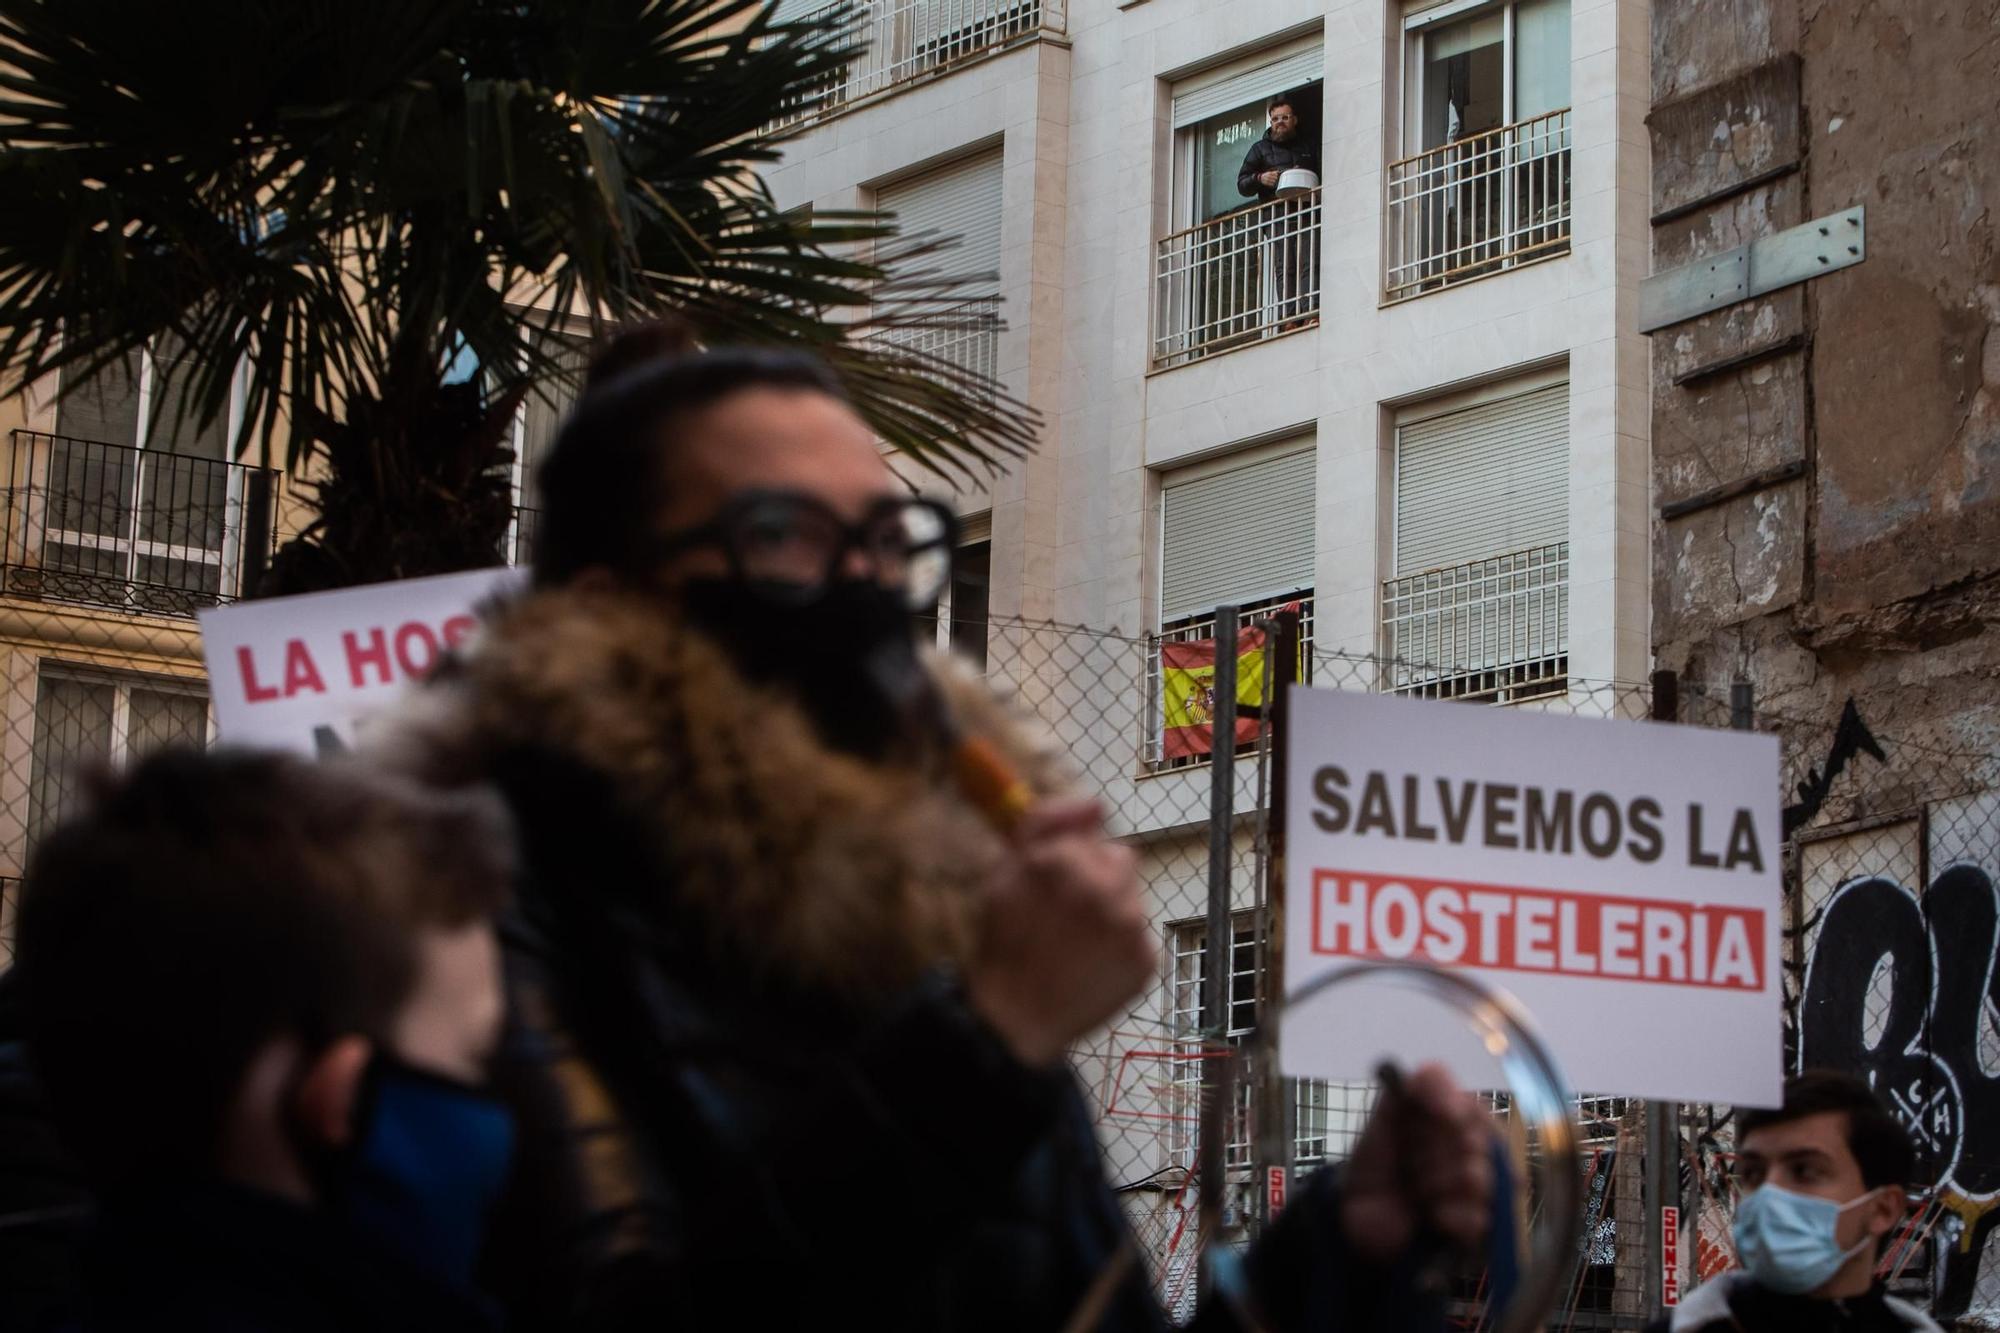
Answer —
1902 989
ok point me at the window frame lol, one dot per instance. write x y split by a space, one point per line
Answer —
1184 170
118 749
974 530
1418 24
236 475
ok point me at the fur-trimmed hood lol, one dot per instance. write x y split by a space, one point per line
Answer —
818 866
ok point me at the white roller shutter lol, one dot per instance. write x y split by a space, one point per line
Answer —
1236 534
790 11
1483 481
1203 96
959 199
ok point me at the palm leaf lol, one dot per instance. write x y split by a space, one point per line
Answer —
337 195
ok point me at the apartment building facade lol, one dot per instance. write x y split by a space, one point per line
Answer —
1411 398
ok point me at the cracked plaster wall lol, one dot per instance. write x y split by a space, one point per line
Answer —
1876 571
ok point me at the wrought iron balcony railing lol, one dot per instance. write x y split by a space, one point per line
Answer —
903 41
1483 204
1494 629
1244 276
133 529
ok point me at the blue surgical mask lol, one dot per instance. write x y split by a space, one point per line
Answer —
1790 1242
429 1158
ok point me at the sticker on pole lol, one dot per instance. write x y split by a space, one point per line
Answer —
1621 879
1670 1255
301 673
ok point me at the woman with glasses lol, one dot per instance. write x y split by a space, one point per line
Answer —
790 1009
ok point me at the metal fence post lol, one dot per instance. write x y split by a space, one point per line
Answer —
1277 1111
1218 1090
1221 825
1662 1178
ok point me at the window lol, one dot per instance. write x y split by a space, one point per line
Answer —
1478 604
961 199
1470 73
535 430
899 41
1328 1115
1484 178
131 503
1235 268
81 719
1189 943
960 622
1238 529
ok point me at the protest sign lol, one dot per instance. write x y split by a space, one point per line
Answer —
301 673
1621 879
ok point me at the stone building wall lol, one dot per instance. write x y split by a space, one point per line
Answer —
1828 452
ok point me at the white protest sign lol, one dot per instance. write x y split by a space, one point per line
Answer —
299 673
1621 879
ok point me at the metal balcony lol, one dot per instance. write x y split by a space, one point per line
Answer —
903 41
1479 206
1242 277
1495 629
132 529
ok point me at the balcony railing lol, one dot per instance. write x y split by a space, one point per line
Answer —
1494 629
1244 276
905 40
1193 628
1483 204
134 529
966 335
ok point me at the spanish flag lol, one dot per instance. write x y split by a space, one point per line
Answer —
1187 689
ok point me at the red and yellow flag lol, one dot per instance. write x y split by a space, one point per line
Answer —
1187 689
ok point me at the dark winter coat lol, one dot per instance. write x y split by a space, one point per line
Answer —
1267 154
750 1093
1735 1303
44 1200
213 1258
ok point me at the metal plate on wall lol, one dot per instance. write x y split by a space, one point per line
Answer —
1824 245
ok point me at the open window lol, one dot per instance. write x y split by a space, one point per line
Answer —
1235 268
1483 181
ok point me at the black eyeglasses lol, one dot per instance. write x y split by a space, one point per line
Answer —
792 545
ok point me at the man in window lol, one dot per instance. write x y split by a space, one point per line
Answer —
1293 236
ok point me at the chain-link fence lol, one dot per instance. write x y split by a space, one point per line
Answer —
1893 926
1890 958
1115 701
1890 847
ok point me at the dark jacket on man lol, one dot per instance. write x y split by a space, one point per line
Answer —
749 1092
214 1258
1267 154
1736 1303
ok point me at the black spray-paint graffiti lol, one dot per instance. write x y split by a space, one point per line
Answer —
1850 738
1943 994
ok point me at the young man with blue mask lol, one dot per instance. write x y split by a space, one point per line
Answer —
261 996
1823 1181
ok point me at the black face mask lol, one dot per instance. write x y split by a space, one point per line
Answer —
849 655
